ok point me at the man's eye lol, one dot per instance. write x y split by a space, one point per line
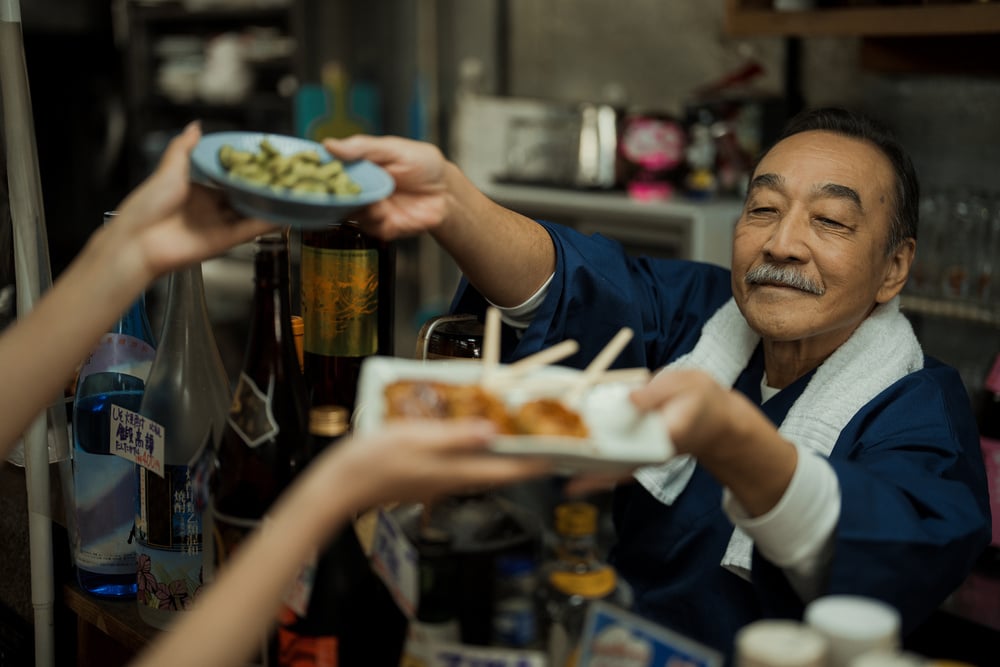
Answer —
828 222
762 210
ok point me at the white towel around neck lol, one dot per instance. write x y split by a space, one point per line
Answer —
881 350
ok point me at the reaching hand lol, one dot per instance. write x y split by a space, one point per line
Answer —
416 460
419 202
176 222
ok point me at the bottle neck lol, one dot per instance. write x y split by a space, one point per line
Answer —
577 547
271 342
134 322
185 317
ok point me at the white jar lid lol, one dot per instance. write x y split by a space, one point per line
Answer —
853 625
779 643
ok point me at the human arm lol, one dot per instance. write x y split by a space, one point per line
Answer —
164 224
505 255
405 462
728 435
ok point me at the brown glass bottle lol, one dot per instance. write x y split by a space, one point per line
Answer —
350 619
265 443
348 293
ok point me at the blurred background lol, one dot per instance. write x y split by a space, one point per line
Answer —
540 102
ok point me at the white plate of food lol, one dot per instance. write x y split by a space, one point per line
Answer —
599 430
287 180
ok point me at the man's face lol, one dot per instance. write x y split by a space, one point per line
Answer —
813 237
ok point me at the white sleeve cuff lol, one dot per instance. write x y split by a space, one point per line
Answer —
796 533
520 317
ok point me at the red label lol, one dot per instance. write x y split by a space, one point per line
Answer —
991 458
993 378
298 651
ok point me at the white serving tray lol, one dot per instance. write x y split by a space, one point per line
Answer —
621 438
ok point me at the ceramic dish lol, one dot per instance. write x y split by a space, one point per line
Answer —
620 437
285 208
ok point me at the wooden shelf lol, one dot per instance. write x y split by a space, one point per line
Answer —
109 632
750 18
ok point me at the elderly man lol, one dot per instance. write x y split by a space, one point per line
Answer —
823 452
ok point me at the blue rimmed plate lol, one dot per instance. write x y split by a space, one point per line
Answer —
285 208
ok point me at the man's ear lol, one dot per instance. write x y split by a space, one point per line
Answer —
897 270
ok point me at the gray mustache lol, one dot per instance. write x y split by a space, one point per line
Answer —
771 274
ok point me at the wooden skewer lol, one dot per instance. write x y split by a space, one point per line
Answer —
600 364
549 355
491 345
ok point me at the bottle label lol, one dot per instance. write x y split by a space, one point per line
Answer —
614 636
137 439
340 301
251 415
394 560
424 649
594 584
295 650
120 353
169 540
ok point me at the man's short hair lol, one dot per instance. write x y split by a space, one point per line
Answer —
903 224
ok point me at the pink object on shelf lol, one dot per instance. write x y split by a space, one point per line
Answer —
650 190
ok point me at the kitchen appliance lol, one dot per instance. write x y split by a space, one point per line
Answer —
568 146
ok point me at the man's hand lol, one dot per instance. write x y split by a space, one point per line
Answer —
419 201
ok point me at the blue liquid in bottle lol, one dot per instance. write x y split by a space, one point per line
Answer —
104 487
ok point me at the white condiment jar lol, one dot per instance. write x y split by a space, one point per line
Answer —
853 625
780 643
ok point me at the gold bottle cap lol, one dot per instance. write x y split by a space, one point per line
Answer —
328 420
576 519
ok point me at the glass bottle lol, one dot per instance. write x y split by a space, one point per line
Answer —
188 396
104 492
515 621
350 618
438 597
265 441
572 580
347 293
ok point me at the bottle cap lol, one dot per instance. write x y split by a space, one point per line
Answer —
780 643
853 624
576 519
328 420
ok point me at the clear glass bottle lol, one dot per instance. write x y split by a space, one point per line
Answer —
104 493
188 395
265 443
347 294
574 578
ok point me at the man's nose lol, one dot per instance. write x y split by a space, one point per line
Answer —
787 241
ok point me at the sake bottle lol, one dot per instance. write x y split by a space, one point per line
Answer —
104 493
265 441
347 304
346 616
188 396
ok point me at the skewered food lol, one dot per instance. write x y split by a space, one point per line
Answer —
441 400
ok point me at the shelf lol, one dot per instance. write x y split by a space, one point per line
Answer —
176 12
745 18
955 309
